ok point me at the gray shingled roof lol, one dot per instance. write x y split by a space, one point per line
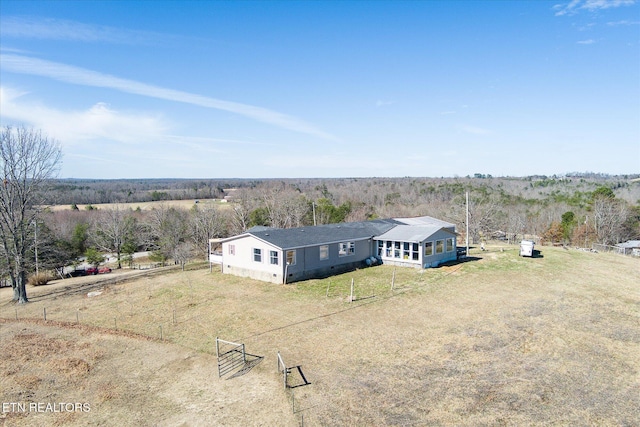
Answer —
287 238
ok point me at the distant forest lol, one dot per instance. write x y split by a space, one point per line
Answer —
561 208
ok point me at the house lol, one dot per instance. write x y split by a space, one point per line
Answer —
293 254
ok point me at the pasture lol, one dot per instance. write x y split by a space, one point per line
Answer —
145 206
496 340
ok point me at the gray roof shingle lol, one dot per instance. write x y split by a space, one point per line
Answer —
286 238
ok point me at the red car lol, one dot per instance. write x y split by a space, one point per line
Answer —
98 270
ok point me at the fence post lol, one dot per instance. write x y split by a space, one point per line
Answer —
77 316
351 298
44 312
393 279
160 332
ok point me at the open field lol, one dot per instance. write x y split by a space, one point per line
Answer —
496 340
145 206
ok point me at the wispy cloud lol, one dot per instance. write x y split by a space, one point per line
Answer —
80 76
381 103
57 29
575 6
475 130
588 41
73 128
623 23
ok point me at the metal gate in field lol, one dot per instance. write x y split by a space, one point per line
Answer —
231 356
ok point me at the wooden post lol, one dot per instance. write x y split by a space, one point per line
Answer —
351 298
77 316
393 279
329 284
44 312
160 332
115 323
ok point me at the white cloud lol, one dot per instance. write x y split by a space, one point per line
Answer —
623 23
73 128
84 77
575 6
381 103
589 41
475 130
58 29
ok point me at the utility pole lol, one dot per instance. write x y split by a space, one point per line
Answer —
467 221
313 205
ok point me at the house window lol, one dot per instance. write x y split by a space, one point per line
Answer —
291 257
428 248
257 255
273 257
232 249
415 252
388 246
439 246
449 242
346 248
396 249
380 247
324 252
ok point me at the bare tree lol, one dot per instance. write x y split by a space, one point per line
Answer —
29 160
206 223
242 206
168 229
609 216
113 227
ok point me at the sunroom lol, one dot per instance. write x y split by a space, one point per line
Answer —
416 246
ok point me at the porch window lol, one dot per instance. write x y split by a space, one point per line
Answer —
449 242
439 246
428 248
257 255
380 247
273 257
415 252
405 250
291 257
388 247
396 249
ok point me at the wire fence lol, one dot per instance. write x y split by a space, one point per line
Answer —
616 249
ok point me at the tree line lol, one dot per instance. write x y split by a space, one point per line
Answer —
576 209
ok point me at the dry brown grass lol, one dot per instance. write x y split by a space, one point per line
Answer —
501 340
145 206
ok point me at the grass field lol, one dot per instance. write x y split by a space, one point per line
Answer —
145 206
496 340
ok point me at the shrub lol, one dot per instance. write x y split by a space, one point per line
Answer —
39 279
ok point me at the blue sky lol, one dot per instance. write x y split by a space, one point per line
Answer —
265 89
